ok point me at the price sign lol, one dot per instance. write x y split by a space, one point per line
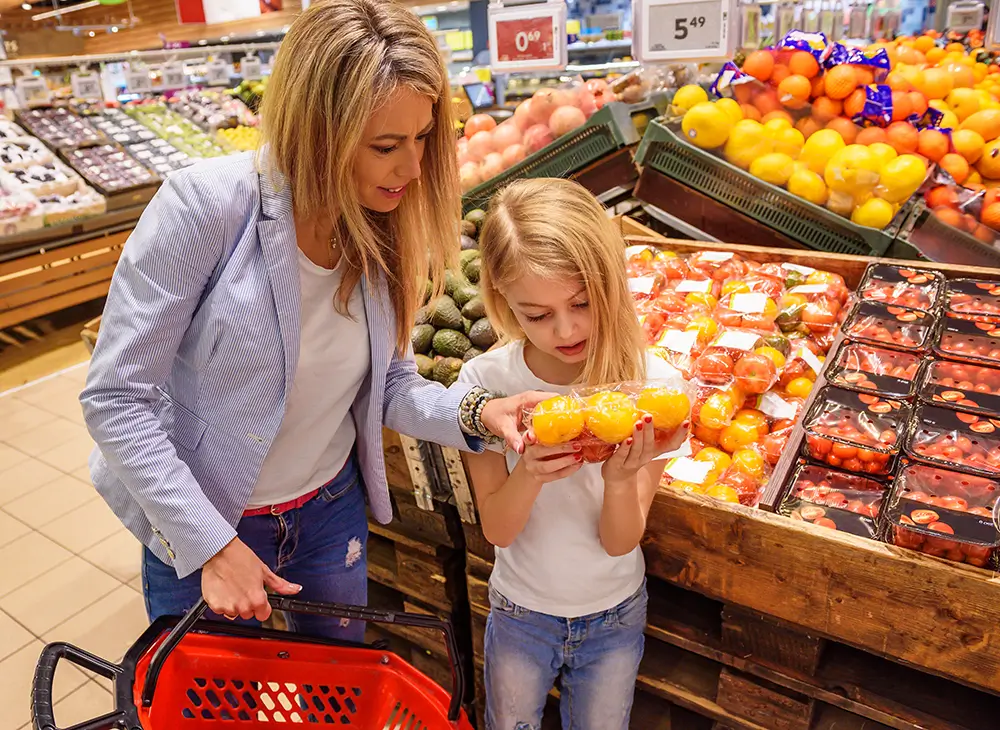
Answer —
217 73
965 16
33 91
251 68
86 85
527 37
173 76
685 30
137 81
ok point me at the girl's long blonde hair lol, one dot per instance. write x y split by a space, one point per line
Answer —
555 228
338 63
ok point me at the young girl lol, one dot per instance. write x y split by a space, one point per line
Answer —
567 593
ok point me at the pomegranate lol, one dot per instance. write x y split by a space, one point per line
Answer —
505 135
492 165
587 103
538 137
513 154
481 144
522 115
479 123
469 176
565 119
543 103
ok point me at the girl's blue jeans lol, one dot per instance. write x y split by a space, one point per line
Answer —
595 658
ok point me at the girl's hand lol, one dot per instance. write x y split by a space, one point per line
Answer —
503 416
547 464
644 446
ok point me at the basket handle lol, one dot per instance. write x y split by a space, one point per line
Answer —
41 686
316 608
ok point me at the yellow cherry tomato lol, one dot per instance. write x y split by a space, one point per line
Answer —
799 387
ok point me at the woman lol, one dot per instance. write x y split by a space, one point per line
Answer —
255 338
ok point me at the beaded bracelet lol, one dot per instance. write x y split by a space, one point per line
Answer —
470 414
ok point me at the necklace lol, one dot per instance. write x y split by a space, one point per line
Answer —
332 247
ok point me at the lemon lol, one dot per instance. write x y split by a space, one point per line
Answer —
788 141
730 107
963 102
875 213
807 184
883 152
747 141
820 148
707 126
776 125
852 170
687 97
900 178
949 120
840 203
774 168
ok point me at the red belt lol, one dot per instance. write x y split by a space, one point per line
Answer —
277 509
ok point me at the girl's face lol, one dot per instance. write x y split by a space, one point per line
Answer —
392 149
554 314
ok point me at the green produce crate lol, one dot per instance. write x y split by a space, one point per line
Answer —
930 238
665 151
608 130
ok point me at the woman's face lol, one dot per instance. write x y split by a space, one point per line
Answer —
392 148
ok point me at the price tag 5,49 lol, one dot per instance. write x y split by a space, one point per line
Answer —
685 30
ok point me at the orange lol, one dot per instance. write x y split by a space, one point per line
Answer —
808 126
962 76
903 137
871 135
794 91
865 75
799 387
949 216
717 411
934 55
855 103
901 106
745 92
898 82
803 63
766 101
824 108
954 48
936 83
557 420
845 128
778 114
991 216
956 166
909 56
923 44
719 460
818 87
759 64
611 416
749 462
919 103
779 74
932 144
668 407
984 234
942 196
750 112
840 81
737 435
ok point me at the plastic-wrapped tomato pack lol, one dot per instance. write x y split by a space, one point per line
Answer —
974 299
945 514
962 386
890 326
752 310
739 357
834 499
738 477
956 440
895 285
875 369
857 432
601 418
969 341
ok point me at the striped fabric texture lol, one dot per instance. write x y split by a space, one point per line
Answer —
198 347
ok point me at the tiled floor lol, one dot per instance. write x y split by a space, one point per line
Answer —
68 569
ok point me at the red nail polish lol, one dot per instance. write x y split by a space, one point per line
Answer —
638 427
649 419
579 457
628 441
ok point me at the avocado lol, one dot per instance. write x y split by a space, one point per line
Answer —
471 269
425 366
444 314
476 217
467 325
423 316
468 243
428 292
420 338
451 343
474 309
465 294
471 353
468 256
482 334
468 228
446 370
453 280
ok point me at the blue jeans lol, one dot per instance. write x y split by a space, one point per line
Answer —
321 546
596 658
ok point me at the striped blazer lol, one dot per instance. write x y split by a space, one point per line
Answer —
199 343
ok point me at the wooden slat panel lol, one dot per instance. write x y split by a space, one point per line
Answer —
45 292
59 270
26 263
39 309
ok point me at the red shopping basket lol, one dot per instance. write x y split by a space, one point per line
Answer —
190 674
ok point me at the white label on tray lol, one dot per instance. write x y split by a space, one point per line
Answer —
772 404
715 255
808 289
748 302
804 270
678 341
688 470
693 285
641 285
737 340
631 251
810 358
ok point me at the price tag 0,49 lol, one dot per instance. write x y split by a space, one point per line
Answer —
86 85
137 81
217 73
685 30
527 37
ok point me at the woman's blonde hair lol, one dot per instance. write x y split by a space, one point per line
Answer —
555 228
339 62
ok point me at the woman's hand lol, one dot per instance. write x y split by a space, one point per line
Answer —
643 447
544 464
504 417
233 583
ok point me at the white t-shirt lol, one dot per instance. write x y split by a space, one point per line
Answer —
557 564
317 433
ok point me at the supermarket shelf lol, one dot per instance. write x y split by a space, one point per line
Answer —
940 242
603 45
53 237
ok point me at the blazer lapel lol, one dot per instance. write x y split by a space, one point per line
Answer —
276 233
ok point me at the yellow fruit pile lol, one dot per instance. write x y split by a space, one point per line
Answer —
242 138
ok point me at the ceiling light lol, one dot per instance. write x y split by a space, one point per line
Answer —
66 10
25 6
92 34
114 28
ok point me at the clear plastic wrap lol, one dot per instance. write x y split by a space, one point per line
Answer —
956 440
894 285
875 369
973 299
960 386
890 326
835 500
977 342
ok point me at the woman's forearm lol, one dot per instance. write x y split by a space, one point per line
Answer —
505 512
622 518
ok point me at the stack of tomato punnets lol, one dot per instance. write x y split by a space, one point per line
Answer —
751 338
835 500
